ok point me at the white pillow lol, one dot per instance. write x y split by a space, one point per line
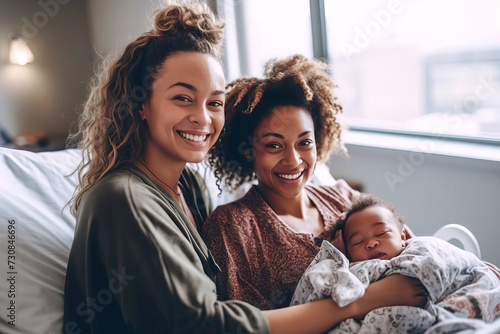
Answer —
34 191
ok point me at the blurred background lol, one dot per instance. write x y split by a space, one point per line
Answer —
39 101
421 67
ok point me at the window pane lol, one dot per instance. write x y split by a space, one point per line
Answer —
423 66
272 29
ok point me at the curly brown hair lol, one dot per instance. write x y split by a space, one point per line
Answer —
294 81
110 131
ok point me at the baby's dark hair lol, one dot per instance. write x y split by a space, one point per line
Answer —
360 203
295 81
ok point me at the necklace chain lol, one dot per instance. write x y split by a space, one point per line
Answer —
156 177
169 187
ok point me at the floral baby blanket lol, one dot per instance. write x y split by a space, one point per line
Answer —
463 293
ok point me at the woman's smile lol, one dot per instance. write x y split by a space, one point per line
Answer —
290 177
194 140
193 137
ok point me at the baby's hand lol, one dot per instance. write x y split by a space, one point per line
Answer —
338 242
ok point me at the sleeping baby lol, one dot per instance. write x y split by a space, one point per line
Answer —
462 291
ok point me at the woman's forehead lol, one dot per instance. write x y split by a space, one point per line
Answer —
193 68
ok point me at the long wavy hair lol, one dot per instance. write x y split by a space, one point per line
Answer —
294 81
110 131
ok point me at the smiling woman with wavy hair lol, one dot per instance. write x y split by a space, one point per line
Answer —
110 130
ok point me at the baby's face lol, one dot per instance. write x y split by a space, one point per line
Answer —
373 233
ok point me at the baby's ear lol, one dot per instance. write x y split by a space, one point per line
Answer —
338 242
403 236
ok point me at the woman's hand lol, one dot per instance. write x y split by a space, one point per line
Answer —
392 291
319 316
401 290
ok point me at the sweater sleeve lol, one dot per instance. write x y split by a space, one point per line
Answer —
157 266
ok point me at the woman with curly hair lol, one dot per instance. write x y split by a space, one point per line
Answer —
277 129
137 263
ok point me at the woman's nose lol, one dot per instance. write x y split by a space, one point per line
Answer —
292 158
200 116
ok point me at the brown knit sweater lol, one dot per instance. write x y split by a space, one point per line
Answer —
262 258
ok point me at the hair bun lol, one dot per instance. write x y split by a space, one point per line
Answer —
194 19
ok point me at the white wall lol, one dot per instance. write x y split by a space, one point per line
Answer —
432 190
115 23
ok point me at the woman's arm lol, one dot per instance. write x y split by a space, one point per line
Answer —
319 316
142 253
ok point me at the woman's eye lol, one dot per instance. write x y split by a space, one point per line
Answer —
217 104
182 98
307 142
272 145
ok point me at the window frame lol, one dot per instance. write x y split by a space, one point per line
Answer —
320 51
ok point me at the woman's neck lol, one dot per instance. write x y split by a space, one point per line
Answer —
298 212
160 169
166 174
295 206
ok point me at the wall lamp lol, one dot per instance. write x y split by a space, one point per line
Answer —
20 53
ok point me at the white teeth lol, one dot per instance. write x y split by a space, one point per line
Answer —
193 137
290 177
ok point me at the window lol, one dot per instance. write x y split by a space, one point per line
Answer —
417 67
261 30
